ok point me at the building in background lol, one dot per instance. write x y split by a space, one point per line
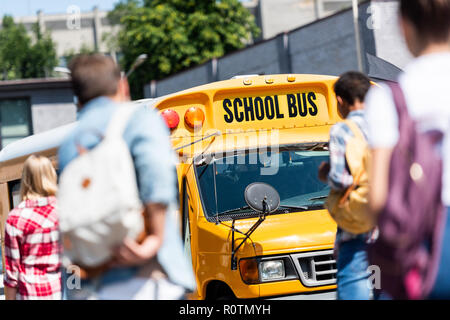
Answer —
326 46
294 41
34 105
74 31
277 16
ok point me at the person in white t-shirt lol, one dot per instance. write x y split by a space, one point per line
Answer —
426 85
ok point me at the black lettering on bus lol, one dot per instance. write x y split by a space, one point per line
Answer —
313 108
270 108
226 106
302 107
277 109
259 108
238 115
305 105
248 108
292 107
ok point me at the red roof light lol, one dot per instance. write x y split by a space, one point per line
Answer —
171 117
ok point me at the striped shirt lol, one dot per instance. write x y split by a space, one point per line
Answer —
339 177
32 250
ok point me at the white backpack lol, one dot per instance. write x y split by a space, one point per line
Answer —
98 197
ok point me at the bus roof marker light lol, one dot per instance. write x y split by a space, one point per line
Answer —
171 117
269 80
194 117
247 81
290 78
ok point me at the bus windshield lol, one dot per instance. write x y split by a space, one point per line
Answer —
291 171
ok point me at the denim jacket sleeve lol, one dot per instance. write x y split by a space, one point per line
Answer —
150 146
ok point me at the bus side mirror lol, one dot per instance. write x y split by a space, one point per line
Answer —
262 197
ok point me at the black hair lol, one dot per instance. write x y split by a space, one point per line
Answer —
431 18
352 86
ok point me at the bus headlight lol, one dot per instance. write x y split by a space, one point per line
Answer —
267 269
272 270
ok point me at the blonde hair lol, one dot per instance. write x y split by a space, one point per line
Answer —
38 178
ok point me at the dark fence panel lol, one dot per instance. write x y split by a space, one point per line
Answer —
326 46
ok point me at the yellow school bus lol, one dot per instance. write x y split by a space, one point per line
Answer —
229 135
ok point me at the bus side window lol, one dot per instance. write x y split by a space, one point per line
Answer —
186 226
177 188
185 213
14 193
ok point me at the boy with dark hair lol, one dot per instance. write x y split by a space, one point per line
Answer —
350 249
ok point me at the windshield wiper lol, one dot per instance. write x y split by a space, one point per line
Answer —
217 133
234 210
318 198
293 207
247 207
303 208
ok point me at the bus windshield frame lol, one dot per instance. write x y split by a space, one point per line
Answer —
217 186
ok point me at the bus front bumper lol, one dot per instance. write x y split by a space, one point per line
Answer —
323 295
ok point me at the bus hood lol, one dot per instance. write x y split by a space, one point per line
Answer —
291 232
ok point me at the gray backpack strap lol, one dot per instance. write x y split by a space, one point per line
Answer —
119 119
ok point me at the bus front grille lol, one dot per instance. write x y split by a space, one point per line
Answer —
317 268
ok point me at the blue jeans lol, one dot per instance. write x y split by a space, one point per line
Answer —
441 289
88 288
352 271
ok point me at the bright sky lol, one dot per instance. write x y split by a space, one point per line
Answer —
19 8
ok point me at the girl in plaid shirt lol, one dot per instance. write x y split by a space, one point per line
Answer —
32 248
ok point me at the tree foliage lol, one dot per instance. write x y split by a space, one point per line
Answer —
22 57
177 34
84 49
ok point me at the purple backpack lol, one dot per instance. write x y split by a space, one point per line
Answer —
411 223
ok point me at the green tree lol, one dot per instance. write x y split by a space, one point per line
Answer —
42 56
14 44
84 49
20 56
178 34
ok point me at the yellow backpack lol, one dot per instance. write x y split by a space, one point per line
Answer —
349 208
